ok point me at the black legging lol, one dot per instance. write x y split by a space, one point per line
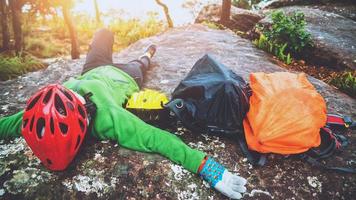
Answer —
100 54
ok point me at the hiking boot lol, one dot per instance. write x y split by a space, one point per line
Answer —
150 51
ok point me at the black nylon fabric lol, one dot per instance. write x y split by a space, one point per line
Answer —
211 98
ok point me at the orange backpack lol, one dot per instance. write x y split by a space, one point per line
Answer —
286 114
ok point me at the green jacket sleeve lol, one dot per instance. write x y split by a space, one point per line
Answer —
129 131
10 126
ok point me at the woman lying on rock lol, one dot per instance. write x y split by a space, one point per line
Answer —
57 117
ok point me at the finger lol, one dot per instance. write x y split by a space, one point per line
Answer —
239 188
235 195
238 180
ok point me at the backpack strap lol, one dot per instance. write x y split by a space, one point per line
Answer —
315 162
330 143
89 105
255 158
338 121
179 108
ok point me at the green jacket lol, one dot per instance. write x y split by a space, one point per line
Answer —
111 87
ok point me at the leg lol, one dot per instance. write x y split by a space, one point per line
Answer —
133 69
137 68
100 50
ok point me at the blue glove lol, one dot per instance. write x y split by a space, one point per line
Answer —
222 180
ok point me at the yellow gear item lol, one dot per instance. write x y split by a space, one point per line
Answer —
147 100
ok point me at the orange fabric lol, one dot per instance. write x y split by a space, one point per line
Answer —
286 113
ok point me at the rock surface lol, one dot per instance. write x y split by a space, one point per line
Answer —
333 36
283 3
345 10
241 19
104 170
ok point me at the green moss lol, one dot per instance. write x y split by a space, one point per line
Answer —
11 67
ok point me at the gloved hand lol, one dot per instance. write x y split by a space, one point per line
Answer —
222 180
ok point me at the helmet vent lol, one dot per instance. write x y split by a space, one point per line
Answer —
31 124
40 127
67 95
81 124
24 123
51 125
58 103
81 111
78 141
64 128
48 96
49 161
33 102
70 106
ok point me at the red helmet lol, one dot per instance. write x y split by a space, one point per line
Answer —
54 124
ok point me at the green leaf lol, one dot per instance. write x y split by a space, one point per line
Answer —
289 59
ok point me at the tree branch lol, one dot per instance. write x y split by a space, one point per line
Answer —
166 12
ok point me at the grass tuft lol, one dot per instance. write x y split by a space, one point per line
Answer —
11 67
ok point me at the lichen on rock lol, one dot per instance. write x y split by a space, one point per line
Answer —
27 180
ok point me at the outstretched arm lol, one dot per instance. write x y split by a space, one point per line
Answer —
129 131
10 126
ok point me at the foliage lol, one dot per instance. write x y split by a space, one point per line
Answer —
288 30
46 34
54 30
129 31
276 49
40 48
212 25
44 7
285 37
11 67
346 82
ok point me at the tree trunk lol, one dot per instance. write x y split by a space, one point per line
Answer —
72 32
4 26
225 12
166 12
15 6
97 12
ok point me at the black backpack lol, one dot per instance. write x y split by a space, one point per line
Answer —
211 99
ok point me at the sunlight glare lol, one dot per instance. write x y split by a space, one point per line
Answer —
139 9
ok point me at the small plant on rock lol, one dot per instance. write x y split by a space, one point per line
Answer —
288 30
346 82
286 35
276 49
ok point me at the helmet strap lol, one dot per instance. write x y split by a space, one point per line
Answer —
90 108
